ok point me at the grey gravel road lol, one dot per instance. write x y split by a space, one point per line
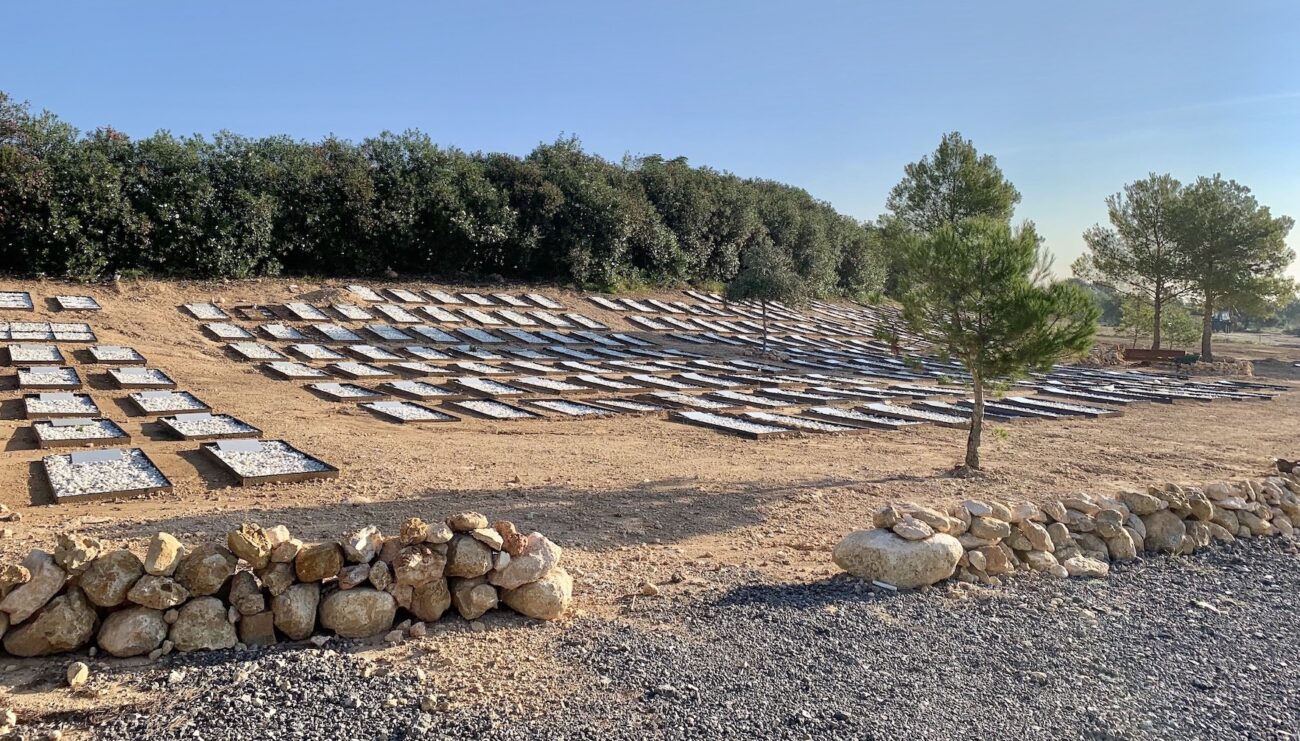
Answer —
1203 647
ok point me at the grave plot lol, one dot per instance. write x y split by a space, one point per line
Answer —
53 378
360 370
255 351
401 295
607 384
631 340
76 303
425 353
701 379
529 353
997 408
388 333
645 322
206 312
478 299
433 334
605 303
664 307
397 314
71 332
747 429
475 353
563 339
75 432
336 333
30 331
352 312
227 331
492 409
406 412
34 355
797 397
525 337
305 312
857 418
663 383
1060 407
1088 396
886 409
484 369
804 424
57 404
482 317
595 338
292 371
517 319
141 378
485 387
345 391
685 401
113 354
416 369
549 319
571 408
582 320
748 400
952 410
531 368
442 297
372 353
253 313
103 473
308 351
282 332
509 300
366 293
265 461
154 403
205 426
629 406
16 301
546 384
420 391
545 302
635 305
441 315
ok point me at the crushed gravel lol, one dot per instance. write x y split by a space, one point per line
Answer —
1200 647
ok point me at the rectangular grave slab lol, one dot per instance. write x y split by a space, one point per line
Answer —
346 392
482 317
913 414
952 410
206 312
482 369
141 378
677 400
607 384
388 333
372 353
305 312
606 303
255 351
401 295
582 320
397 314
1060 407
569 408
360 371
16 301
433 334
76 303
154 403
425 353
37 377
365 293
492 409
441 315
40 331
310 351
204 426
268 462
478 299
112 472
421 391
442 297
351 312
282 332
415 369
56 404
629 406
549 319
75 432
227 331
292 371
857 418
24 354
509 300
407 412
114 355
804 424
336 333
738 426
517 319
547 384
523 336
484 387
545 302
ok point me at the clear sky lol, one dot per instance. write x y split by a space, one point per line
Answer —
1073 98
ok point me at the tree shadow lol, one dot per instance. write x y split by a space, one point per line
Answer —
13 409
24 438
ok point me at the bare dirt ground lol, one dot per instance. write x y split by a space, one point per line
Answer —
631 499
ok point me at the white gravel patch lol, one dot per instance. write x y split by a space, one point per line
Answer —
916 413
524 336
749 399
228 331
352 313
509 300
801 423
426 353
199 425
336 333
41 376
365 293
35 354
708 380
140 377
408 412
852 415
360 369
582 320
420 388
281 332
550 384
493 409
67 404
397 314
31 331
167 401
72 331
82 429
433 334
732 423
661 382
206 311
15 300
306 312
370 352
545 317
388 333
686 400
443 297
440 315
315 352
479 335
487 386
77 303
546 302
405 296
484 368
516 318
343 390
274 458
291 369
256 351
422 369
607 383
115 354
571 408
128 470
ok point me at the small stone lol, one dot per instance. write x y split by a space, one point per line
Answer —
467 522
488 537
363 545
77 674
439 533
413 531
1082 566
649 590
250 543
911 528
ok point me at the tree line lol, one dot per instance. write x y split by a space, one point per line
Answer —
92 205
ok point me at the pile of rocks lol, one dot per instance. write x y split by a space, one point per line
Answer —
263 585
913 546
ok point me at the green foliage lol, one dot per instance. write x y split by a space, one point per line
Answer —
971 291
767 274
1177 325
94 205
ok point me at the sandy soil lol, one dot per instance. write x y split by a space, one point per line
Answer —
632 499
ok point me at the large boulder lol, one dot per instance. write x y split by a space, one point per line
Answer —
46 580
1165 531
202 624
358 613
545 599
318 561
417 564
430 600
110 577
134 631
157 592
473 597
65 624
205 569
879 555
251 543
295 610
467 558
277 577
258 629
164 555
535 560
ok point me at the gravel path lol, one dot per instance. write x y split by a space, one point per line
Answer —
1198 648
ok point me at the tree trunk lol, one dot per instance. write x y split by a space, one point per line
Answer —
764 305
1155 331
1207 328
976 425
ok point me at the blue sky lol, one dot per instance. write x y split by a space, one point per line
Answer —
1074 99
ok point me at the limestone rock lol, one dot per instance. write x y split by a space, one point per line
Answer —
205 569
1040 560
1026 512
134 631
276 578
45 582
358 613
108 579
548 597
1109 522
1060 535
250 543
417 564
157 592
354 575
65 624
1165 531
1036 534
380 576
295 610
513 541
413 531
164 555
535 561
1056 511
277 536
202 625
430 600
363 545
257 629
911 528
1121 547
977 508
12 575
287 551
879 555
1082 566
74 553
885 518
473 597
318 561
467 558
78 674
989 528
488 537
438 533
466 522
996 560
246 594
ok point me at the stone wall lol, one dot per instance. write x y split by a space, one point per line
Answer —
262 585
913 546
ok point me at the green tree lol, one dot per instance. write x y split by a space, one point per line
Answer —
1229 244
953 183
972 292
1137 254
767 274
1138 318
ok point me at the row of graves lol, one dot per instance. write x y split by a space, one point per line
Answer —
433 356
64 375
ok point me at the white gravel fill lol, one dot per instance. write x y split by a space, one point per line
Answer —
406 411
206 311
488 386
216 424
35 354
275 458
90 429
295 370
494 409
115 354
77 303
80 404
227 331
167 402
360 369
551 384
130 471
343 390
732 423
315 352
48 377
419 388
571 408
256 351
138 376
